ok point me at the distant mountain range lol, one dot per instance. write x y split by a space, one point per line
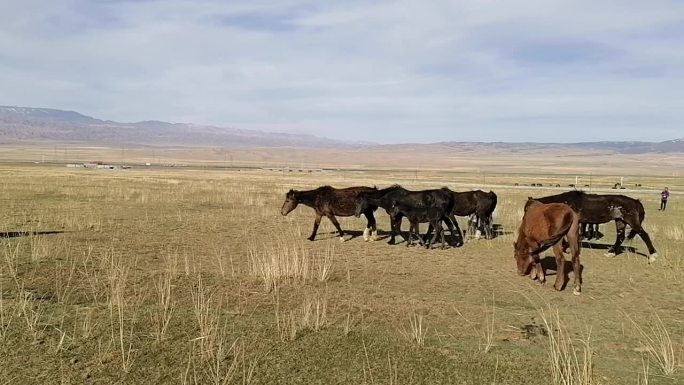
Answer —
631 147
46 124
25 124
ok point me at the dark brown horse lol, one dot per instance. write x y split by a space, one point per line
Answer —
388 197
477 202
330 202
416 215
544 226
594 208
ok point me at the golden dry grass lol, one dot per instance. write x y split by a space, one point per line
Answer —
169 276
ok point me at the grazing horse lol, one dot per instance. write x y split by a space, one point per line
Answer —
417 215
544 226
388 197
328 201
479 203
594 208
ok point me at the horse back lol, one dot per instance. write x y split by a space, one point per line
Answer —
342 202
544 221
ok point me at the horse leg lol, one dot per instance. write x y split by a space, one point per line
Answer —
588 231
441 233
416 228
454 229
652 254
410 233
617 247
540 272
636 228
337 226
373 227
537 271
392 234
560 266
438 230
487 224
577 270
395 224
370 226
317 222
429 230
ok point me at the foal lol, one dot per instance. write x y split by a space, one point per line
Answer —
544 226
417 215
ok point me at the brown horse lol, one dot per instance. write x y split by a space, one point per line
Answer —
329 202
544 226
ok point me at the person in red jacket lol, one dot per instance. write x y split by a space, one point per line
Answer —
664 195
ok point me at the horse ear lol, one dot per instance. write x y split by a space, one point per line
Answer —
530 198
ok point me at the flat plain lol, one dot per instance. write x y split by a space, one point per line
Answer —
192 276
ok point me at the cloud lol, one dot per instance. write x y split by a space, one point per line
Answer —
382 71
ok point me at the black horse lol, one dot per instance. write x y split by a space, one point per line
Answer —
328 201
594 208
477 202
416 215
388 197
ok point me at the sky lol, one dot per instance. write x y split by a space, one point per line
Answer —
379 71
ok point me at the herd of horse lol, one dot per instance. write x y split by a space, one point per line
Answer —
557 221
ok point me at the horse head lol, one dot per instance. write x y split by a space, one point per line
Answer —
361 204
291 202
522 257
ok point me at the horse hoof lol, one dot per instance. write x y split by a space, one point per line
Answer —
310 238
342 239
610 254
576 291
652 257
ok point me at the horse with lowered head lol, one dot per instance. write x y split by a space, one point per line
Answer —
330 202
595 208
544 226
477 202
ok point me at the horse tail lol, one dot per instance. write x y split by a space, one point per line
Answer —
492 204
555 238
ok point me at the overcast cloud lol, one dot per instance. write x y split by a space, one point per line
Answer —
384 71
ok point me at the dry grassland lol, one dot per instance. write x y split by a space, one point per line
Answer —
194 277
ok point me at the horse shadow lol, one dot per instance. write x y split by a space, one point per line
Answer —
382 234
498 231
19 234
603 246
549 263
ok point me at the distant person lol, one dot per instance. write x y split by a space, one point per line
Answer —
664 195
